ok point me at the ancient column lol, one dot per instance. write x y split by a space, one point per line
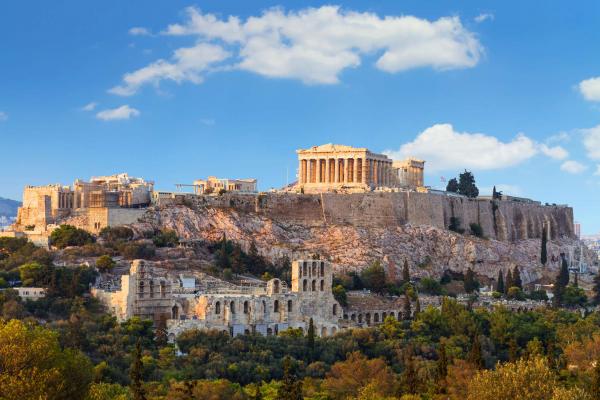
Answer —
375 173
308 171
336 169
355 170
345 169
318 177
327 170
302 172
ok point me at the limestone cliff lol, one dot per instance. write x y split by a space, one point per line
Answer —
353 230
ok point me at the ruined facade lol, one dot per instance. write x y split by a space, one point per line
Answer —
213 185
409 173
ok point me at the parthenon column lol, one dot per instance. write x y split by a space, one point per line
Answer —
336 169
327 170
302 172
355 170
318 177
345 170
365 170
308 171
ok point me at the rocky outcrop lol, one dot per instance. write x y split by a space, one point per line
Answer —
354 230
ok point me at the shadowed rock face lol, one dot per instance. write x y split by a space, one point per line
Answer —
353 230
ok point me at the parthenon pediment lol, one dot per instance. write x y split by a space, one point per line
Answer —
330 147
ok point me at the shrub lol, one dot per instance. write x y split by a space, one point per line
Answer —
105 263
476 229
515 293
116 233
430 286
133 251
455 225
166 238
539 295
339 293
68 235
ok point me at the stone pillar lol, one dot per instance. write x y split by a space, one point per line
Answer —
318 177
327 171
345 170
336 169
375 173
355 170
302 172
365 171
308 170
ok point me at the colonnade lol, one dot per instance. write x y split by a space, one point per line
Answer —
345 170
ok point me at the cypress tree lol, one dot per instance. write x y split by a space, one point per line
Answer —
500 282
135 373
561 282
291 388
516 277
409 376
596 289
311 336
508 282
544 251
513 350
407 308
442 368
405 272
417 306
595 384
475 357
469 283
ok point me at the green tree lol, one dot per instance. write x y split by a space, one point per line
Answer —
508 283
475 356
291 389
373 277
516 278
67 235
105 263
595 383
442 368
34 274
339 293
455 225
561 282
116 233
500 282
405 272
135 373
544 251
310 337
476 229
470 284
166 238
596 290
407 308
452 186
466 185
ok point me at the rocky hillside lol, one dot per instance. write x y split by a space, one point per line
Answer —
429 249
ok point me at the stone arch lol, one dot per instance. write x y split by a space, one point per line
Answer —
246 307
323 331
264 307
322 285
360 318
232 307
304 285
314 269
313 285
368 318
322 268
383 316
289 306
335 309
175 312
353 317
276 286
276 306
375 317
392 314
304 269
333 331
218 307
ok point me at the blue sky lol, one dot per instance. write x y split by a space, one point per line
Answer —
178 90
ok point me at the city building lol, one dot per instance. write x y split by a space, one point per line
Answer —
577 229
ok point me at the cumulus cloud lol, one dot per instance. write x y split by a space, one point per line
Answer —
591 141
446 149
90 106
188 64
590 89
315 45
555 152
573 167
123 112
3 116
139 31
484 17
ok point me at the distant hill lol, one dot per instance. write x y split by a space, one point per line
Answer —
8 207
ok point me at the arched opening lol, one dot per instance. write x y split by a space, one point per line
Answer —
314 285
304 285
151 289
368 318
232 307
276 306
314 269
289 306
163 289
218 307
333 331
353 317
399 316
335 309
345 316
322 284
323 331
141 291
383 316
269 332
322 269
264 307
375 317
246 331
276 286
246 308
175 312
392 314
360 318
304 269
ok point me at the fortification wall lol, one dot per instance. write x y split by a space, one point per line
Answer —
503 220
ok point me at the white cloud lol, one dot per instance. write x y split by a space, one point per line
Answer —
90 106
559 137
208 121
139 31
573 167
3 116
188 64
446 149
590 89
556 152
315 45
123 112
591 141
597 173
484 17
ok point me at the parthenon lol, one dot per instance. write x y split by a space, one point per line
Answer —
334 166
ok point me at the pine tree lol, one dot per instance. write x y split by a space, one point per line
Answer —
466 185
469 283
561 282
410 377
576 279
291 388
452 186
135 373
595 384
407 308
475 357
508 283
544 251
500 282
513 350
405 272
516 278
